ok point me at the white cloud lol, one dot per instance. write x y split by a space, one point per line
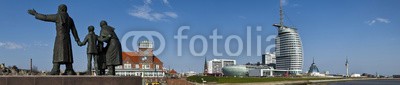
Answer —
146 12
40 44
376 20
10 45
147 1
371 22
143 12
291 4
284 2
171 14
165 2
383 20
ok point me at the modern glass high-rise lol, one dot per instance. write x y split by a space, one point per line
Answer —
288 49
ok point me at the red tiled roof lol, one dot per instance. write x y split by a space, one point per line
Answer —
172 71
132 56
135 57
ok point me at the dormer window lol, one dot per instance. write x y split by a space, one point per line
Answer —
127 66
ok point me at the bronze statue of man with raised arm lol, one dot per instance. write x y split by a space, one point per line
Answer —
62 51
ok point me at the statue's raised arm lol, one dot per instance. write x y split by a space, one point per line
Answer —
43 17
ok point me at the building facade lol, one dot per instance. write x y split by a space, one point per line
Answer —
142 63
289 50
268 58
313 68
214 66
235 70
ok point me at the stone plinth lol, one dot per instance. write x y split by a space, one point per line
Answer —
69 80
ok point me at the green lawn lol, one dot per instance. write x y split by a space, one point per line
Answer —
250 79
245 79
198 79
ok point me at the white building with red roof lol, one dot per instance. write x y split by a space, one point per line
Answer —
142 63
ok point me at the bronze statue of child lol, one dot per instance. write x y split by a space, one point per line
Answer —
92 51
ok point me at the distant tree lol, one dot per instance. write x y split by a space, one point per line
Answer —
248 63
364 74
14 67
258 63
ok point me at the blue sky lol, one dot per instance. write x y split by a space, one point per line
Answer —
367 31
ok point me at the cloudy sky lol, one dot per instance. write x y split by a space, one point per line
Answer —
366 31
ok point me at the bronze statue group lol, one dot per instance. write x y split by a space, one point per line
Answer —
105 57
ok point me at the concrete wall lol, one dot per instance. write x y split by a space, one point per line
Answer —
69 80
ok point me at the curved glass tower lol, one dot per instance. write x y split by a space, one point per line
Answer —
289 51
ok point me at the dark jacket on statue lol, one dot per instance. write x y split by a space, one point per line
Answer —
113 49
91 39
62 52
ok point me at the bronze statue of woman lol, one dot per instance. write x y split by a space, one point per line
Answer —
113 51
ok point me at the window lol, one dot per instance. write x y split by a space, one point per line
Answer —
146 74
157 67
127 66
137 66
119 67
151 73
145 66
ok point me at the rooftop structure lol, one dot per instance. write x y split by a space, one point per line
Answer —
313 68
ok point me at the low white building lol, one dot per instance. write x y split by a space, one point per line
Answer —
268 58
261 72
189 73
316 74
355 75
214 66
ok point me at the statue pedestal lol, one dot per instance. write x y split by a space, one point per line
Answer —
70 80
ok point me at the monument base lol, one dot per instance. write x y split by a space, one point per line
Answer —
70 80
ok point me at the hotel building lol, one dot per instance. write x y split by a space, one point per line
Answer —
142 63
289 51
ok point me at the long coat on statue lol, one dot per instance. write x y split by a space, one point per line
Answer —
62 51
113 49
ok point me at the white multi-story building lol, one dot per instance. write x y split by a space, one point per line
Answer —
289 51
268 58
142 63
214 66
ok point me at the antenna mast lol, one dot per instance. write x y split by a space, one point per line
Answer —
30 65
347 67
312 59
280 13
